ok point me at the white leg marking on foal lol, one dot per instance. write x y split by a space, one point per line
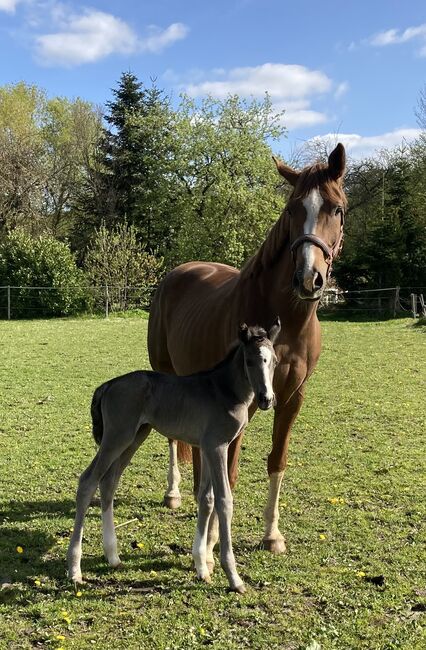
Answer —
109 536
199 555
272 514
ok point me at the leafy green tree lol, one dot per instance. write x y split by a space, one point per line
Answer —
225 169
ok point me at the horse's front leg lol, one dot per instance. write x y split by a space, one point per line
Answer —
172 497
283 421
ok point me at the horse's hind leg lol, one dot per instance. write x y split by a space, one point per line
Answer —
108 486
172 497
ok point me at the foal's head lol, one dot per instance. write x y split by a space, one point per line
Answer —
260 360
316 209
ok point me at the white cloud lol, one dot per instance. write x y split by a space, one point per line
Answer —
280 80
8 5
93 35
359 146
291 88
397 36
159 39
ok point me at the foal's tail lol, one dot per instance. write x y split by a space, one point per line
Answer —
95 409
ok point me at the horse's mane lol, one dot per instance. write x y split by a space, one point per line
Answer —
316 176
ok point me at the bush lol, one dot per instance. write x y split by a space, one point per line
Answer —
41 262
123 272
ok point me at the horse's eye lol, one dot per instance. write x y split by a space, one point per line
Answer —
338 211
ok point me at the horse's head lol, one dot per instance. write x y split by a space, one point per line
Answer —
316 209
260 360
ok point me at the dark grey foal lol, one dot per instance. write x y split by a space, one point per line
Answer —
207 410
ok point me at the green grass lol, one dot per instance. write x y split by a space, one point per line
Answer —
359 440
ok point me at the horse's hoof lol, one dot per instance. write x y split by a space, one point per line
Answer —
276 545
117 567
239 589
172 502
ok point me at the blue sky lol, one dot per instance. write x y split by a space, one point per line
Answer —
352 68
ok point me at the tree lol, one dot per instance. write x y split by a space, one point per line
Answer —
136 153
225 169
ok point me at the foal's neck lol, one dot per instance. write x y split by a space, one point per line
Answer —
232 378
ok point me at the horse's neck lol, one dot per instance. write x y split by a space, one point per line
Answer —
265 283
232 378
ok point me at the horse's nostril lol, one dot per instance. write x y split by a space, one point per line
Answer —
318 282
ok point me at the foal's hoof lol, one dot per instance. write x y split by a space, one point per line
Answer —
276 546
239 589
205 578
76 579
210 566
172 502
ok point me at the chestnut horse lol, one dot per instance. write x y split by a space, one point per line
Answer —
198 306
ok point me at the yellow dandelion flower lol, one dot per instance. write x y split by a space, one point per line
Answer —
59 637
322 537
360 574
140 544
79 594
19 549
37 583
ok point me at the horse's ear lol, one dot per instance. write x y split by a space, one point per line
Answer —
337 162
274 330
244 333
287 172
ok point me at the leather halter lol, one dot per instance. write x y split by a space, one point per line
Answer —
329 253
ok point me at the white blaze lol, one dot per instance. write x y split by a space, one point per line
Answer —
312 204
266 355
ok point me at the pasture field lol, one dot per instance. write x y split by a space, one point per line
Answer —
352 508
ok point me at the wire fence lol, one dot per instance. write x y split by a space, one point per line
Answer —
376 303
38 302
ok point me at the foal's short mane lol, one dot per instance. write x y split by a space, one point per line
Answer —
258 334
316 176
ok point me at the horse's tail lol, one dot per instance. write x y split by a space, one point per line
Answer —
95 409
184 452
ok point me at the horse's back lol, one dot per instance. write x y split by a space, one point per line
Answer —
188 321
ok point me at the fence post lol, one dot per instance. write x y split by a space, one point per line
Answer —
396 301
106 301
413 297
8 302
422 305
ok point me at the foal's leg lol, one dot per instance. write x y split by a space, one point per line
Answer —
108 486
224 507
89 481
172 498
205 508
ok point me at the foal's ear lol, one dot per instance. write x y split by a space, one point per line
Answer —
291 175
244 333
337 162
274 330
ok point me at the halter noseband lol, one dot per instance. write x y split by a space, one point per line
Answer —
329 253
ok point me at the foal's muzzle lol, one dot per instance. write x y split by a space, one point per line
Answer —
264 402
